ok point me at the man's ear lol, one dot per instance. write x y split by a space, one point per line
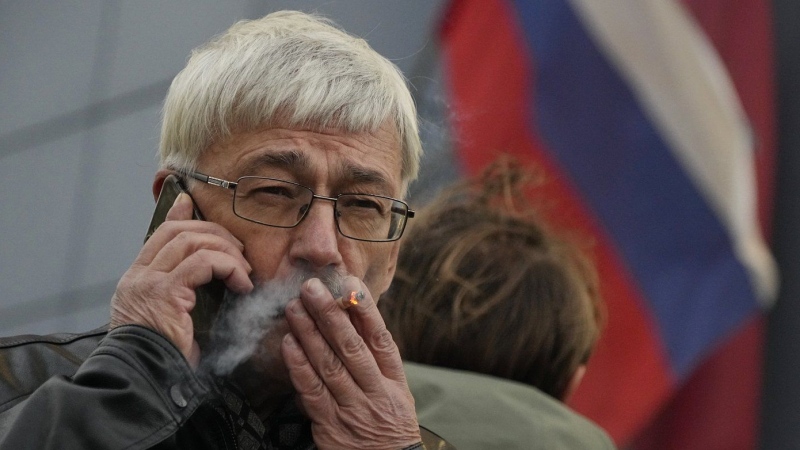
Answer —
158 181
574 382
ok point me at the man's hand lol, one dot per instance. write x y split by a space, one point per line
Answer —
347 371
157 291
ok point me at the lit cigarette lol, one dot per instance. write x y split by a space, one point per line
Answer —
351 300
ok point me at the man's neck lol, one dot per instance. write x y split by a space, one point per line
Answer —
266 392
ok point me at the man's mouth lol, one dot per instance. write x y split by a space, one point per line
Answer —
244 321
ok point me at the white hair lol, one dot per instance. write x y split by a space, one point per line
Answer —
287 68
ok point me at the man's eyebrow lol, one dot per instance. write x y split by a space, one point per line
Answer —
297 161
286 159
362 175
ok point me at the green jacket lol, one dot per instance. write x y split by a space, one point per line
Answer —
480 412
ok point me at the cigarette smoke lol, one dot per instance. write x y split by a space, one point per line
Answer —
243 321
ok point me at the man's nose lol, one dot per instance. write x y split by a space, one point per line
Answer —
315 241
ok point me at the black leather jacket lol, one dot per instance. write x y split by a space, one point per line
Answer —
128 388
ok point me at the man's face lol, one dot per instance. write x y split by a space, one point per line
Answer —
329 163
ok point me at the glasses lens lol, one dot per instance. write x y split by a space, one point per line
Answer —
370 217
271 202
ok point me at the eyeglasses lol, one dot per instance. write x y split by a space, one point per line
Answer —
283 204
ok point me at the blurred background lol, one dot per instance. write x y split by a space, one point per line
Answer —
666 130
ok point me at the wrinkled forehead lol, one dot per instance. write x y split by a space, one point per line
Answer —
314 157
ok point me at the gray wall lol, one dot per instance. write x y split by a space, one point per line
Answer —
81 84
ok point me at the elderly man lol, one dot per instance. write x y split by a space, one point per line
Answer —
294 141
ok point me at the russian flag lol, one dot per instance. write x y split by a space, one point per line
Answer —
654 124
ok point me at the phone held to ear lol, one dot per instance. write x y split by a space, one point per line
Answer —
209 296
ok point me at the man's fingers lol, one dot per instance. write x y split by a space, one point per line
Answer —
182 208
162 300
170 229
324 360
370 326
187 243
204 265
336 327
313 392
178 220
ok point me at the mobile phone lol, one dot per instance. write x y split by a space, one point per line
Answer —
209 296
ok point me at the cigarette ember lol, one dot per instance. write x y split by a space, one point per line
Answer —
352 300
